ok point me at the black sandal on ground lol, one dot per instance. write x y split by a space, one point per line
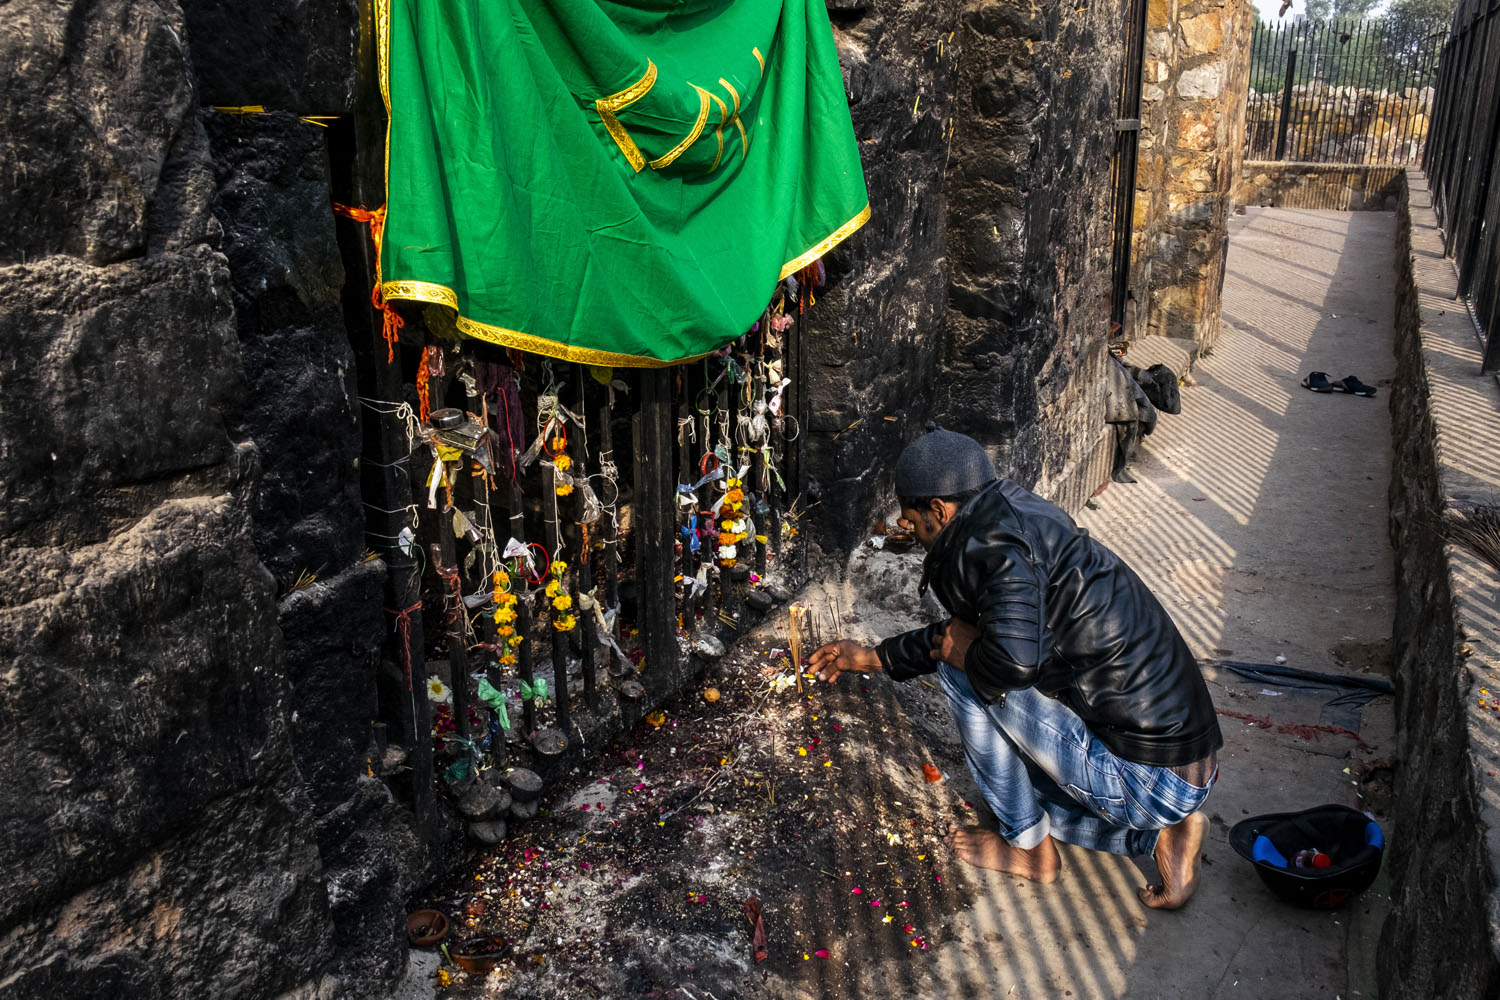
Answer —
1355 387
1318 382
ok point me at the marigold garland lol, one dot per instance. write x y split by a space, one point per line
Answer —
562 620
731 524
505 615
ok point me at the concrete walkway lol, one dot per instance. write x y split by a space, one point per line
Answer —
1259 519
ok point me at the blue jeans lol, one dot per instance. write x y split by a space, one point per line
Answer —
1043 772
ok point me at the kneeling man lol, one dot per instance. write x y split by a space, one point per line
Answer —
1084 716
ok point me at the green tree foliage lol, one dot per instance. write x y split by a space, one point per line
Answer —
1339 44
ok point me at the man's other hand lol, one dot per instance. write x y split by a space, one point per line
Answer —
841 657
953 643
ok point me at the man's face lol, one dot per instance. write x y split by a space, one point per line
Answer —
923 524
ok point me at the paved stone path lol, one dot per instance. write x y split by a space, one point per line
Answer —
1259 520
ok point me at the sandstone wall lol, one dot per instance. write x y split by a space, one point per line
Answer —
1339 187
977 295
1192 146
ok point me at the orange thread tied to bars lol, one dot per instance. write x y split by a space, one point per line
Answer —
392 323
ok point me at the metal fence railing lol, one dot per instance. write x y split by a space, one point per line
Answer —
1461 162
1346 90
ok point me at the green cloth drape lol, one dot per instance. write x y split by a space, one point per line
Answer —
621 183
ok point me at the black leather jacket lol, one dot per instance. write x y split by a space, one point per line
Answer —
1058 611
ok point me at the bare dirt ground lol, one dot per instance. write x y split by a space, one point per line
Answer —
1259 521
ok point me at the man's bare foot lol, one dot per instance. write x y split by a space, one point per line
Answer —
1177 851
986 849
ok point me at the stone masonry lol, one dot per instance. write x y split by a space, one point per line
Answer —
1192 142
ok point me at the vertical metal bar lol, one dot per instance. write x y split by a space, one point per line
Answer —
559 639
683 514
524 663
1127 152
653 524
357 174
1468 249
587 588
761 474
444 561
1286 103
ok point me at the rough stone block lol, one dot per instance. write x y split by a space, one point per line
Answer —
286 277
331 633
1198 129
1202 82
1203 34
234 908
117 380
95 109
142 688
293 55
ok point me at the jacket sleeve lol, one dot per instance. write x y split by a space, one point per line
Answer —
905 656
1013 638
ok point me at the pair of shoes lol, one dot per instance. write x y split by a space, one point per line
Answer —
1318 382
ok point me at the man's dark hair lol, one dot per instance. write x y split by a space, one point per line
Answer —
920 503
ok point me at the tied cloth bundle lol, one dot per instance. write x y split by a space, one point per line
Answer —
499 384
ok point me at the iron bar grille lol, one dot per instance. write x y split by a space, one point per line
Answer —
1346 90
1460 161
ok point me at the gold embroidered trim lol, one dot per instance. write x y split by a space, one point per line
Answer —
760 59
682 147
719 132
607 106
823 246
421 291
744 139
563 352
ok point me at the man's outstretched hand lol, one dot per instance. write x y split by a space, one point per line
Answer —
841 657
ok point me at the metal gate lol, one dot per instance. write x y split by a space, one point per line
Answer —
1341 91
1463 163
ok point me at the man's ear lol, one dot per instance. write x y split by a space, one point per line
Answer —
938 510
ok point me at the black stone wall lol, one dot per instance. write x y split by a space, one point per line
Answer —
155 837
977 294
1439 939
303 415
272 200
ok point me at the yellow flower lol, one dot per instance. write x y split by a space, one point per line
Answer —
506 599
562 602
563 623
558 567
508 659
504 615
505 630
554 587
564 490
500 578
562 462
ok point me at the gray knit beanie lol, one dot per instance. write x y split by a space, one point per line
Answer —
941 464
